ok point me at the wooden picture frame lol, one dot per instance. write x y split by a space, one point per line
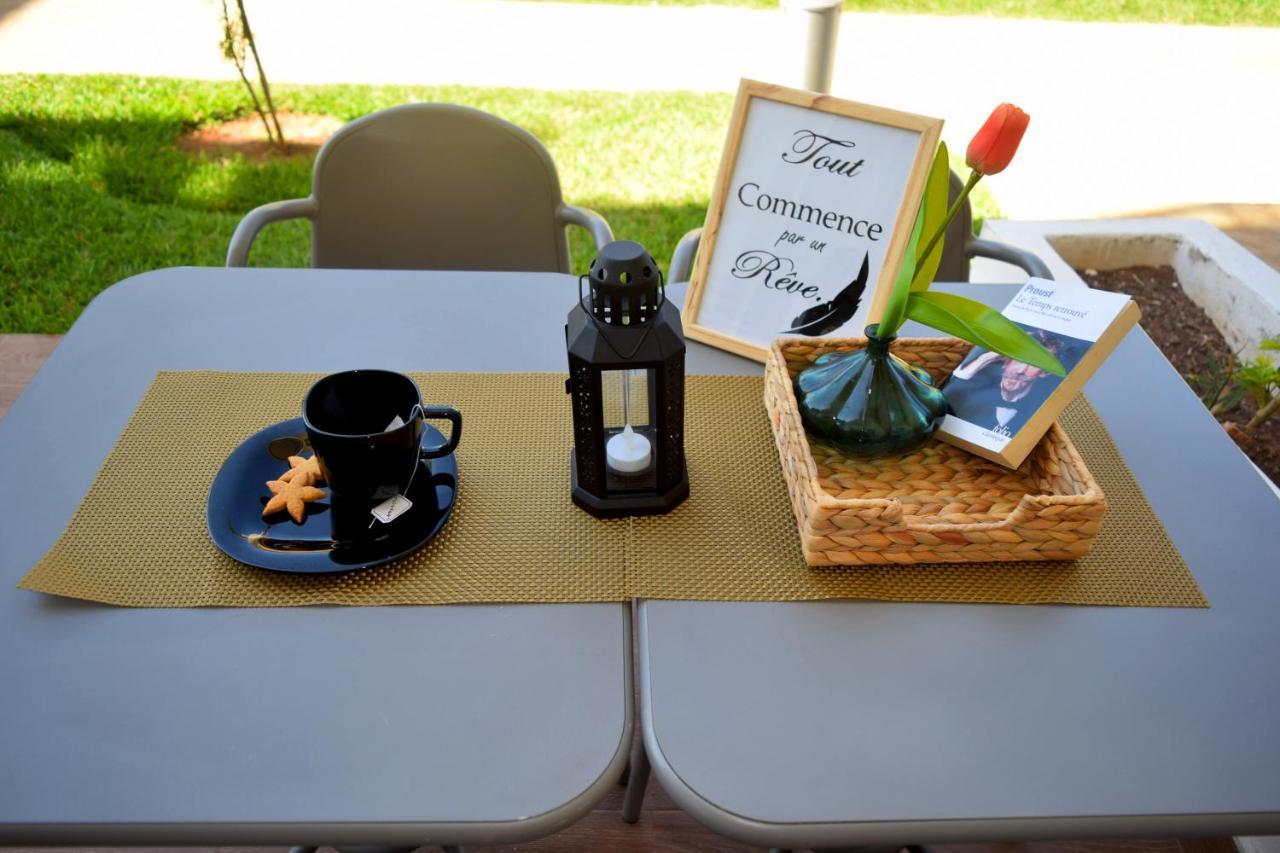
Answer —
757 193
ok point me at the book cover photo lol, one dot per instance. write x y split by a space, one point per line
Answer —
1000 408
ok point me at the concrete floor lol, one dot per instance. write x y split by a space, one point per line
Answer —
1125 117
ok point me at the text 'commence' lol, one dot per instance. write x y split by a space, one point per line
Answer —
750 195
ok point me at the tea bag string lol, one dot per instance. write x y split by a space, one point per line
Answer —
417 460
417 410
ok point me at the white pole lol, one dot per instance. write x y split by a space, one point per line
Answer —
818 25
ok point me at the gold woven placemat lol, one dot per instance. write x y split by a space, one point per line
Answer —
738 540
139 537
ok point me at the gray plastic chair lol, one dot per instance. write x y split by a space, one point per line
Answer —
960 247
431 186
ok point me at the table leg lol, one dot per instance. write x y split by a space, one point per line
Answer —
637 779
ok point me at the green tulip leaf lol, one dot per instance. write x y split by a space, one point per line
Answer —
936 193
979 325
895 310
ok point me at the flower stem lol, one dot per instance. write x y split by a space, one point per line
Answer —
1265 412
974 177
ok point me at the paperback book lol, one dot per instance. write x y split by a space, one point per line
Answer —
999 408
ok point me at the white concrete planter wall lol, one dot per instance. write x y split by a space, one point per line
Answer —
1240 293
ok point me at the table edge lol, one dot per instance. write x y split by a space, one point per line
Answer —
820 834
292 833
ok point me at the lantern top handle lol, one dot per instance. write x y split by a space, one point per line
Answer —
627 286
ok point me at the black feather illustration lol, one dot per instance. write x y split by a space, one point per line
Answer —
829 316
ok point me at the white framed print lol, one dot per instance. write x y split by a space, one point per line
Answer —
809 219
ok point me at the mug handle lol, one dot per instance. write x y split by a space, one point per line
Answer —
452 416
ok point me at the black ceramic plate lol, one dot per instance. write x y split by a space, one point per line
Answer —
239 493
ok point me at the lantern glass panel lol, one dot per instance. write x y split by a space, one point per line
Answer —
625 395
628 401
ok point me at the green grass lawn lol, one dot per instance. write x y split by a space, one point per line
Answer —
93 189
1265 13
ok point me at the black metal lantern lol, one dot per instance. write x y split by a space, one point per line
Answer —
626 375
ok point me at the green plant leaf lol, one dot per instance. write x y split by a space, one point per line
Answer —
895 310
979 325
1260 377
935 217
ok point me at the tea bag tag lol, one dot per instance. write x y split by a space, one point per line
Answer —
396 423
391 509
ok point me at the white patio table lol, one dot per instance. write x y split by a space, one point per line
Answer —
841 723
783 724
317 725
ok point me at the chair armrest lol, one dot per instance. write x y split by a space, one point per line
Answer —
259 217
682 257
601 233
1029 263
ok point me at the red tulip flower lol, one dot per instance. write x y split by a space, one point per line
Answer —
994 145
992 148
990 152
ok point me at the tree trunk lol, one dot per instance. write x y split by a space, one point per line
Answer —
262 75
232 50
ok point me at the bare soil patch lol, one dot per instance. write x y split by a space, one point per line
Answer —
1195 347
303 134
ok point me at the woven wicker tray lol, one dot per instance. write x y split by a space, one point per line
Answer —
936 504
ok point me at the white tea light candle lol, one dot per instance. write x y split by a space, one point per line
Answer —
628 452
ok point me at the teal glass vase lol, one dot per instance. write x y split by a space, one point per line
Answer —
869 402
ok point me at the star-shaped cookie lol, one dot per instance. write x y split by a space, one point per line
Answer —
293 496
303 470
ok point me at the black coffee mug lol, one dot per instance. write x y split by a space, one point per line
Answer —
351 422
